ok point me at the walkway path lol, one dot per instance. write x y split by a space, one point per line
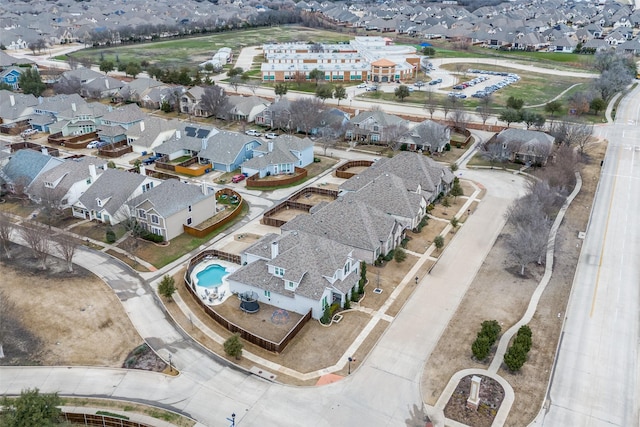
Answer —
436 412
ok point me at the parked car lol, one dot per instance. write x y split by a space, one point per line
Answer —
270 135
435 82
28 132
372 88
252 132
362 86
93 144
237 178
151 159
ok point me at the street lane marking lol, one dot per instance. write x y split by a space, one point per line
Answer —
604 238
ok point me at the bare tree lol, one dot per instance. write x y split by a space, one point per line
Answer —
299 77
68 85
7 311
37 238
459 118
67 246
51 202
6 227
305 113
430 103
526 244
214 101
392 134
253 85
494 153
572 133
234 82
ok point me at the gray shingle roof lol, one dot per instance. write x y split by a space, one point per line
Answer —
225 146
307 260
170 197
414 169
27 164
347 221
68 173
115 185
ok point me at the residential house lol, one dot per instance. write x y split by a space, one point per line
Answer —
245 108
165 209
420 174
525 146
16 107
279 156
369 231
297 272
106 200
375 127
145 135
11 76
190 102
227 151
114 124
93 84
276 115
428 136
64 184
188 140
78 119
332 123
23 167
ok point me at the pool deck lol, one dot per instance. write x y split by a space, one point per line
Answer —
219 294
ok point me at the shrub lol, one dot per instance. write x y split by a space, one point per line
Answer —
316 160
399 255
515 357
404 243
233 346
347 304
447 147
110 236
439 242
389 255
403 147
454 222
326 316
167 287
156 238
481 347
355 296
489 332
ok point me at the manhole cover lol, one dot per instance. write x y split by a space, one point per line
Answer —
377 291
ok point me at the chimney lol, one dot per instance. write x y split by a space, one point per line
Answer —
270 145
178 134
274 250
204 143
44 151
142 170
204 188
12 99
73 106
40 100
142 126
106 83
92 172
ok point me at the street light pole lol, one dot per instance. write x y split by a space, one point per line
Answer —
232 420
351 359
170 366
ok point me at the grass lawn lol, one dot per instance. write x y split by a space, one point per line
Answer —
159 256
478 160
314 169
188 52
14 206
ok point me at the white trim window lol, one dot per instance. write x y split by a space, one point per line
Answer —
142 214
278 271
155 219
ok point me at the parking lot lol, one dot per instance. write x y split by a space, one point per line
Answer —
484 84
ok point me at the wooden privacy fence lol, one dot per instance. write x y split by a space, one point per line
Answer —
341 172
256 182
294 203
269 345
118 149
201 232
77 141
36 147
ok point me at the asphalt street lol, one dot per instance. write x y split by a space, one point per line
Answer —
596 379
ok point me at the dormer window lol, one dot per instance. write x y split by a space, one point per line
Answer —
278 271
291 285
99 202
48 184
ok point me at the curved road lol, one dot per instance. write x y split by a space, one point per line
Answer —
383 390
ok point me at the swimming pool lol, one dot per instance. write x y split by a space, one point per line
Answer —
211 276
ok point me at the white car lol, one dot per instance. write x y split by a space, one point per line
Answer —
270 135
93 144
252 132
28 132
362 86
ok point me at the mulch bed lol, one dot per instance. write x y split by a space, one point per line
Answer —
491 396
